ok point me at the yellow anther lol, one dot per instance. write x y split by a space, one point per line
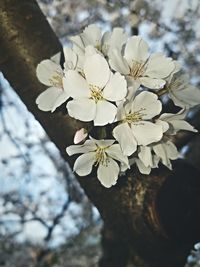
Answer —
137 69
101 157
135 116
96 93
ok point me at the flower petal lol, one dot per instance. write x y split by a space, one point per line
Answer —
136 50
75 85
96 70
116 88
84 163
62 98
115 152
71 58
146 132
186 97
118 63
82 109
88 146
159 66
148 103
108 174
78 46
116 39
105 113
123 134
47 70
91 35
152 83
142 168
46 101
145 156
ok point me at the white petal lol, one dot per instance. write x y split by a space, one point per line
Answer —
142 168
96 70
78 46
146 132
46 100
152 83
88 146
90 51
91 35
182 125
159 66
171 149
108 174
166 151
71 58
83 164
160 151
115 152
177 122
145 156
164 124
62 98
136 50
124 136
116 39
116 88
82 109
148 103
105 113
118 63
187 97
75 85
132 90
47 70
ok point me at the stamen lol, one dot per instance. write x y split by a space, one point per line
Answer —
138 68
96 93
101 157
135 117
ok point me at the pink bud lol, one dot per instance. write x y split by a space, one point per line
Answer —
80 135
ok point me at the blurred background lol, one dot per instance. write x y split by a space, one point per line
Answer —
45 218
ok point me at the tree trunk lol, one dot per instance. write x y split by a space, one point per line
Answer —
151 221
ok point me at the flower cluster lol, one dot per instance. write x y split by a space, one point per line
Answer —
114 83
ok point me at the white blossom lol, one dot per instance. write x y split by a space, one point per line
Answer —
71 59
176 122
166 151
92 94
92 35
149 156
51 74
135 63
181 92
100 153
135 126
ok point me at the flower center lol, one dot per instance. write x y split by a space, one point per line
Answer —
137 69
56 80
101 157
96 93
135 116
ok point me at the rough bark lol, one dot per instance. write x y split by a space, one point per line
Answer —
151 220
